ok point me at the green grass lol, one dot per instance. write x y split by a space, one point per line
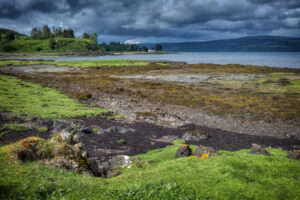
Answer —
42 129
101 63
81 63
231 175
34 100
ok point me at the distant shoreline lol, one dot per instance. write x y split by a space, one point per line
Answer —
4 54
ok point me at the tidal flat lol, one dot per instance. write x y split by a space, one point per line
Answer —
255 100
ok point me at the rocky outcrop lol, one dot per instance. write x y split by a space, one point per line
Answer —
205 152
294 155
195 136
257 149
183 151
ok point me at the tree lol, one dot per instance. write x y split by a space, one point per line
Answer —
68 33
10 35
94 37
85 35
52 43
46 32
158 47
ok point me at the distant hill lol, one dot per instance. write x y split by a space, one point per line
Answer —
245 44
4 31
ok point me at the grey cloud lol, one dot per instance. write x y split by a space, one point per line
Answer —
177 19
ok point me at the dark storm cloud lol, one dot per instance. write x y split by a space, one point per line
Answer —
165 19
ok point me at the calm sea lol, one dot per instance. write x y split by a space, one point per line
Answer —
272 59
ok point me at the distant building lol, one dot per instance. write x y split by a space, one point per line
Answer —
151 50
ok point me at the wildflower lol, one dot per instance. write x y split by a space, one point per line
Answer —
204 155
184 145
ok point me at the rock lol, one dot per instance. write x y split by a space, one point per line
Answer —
257 149
59 126
100 131
120 160
170 138
119 129
195 136
83 129
67 137
78 137
294 155
183 151
98 169
112 173
204 152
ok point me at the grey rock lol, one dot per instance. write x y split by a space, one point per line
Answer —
120 160
294 155
112 173
100 131
59 126
203 149
119 129
183 151
78 137
171 138
98 169
83 129
257 149
67 137
195 136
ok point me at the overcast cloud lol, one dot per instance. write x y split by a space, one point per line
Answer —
156 20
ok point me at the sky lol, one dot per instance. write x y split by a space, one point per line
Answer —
140 21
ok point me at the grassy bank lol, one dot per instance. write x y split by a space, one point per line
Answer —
34 100
230 175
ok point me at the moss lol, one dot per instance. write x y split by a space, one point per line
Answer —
122 141
43 129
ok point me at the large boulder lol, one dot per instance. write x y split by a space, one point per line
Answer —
59 126
257 149
170 138
205 152
67 137
120 160
183 151
195 136
98 169
294 155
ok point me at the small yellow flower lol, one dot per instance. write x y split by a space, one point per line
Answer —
204 155
192 156
184 145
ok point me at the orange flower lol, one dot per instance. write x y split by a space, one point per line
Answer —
205 155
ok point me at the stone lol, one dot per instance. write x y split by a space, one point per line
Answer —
183 151
294 155
78 137
120 160
98 169
112 173
205 150
195 136
83 129
257 149
119 129
170 138
67 137
59 126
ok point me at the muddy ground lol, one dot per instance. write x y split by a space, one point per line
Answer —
243 99
145 137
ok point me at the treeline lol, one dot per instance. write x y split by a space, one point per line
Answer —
46 33
55 38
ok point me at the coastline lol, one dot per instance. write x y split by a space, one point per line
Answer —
74 54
